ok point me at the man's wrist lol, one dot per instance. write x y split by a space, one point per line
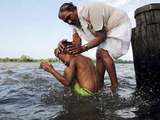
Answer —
51 69
85 47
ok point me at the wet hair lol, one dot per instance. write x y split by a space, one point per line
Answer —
57 51
66 7
66 44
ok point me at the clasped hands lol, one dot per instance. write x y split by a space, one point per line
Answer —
46 66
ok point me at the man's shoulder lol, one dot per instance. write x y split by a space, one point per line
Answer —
84 8
81 58
92 4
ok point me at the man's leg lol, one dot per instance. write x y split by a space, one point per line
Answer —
100 68
110 66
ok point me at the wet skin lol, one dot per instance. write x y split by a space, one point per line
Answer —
80 69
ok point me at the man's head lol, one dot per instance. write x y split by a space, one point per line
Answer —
68 13
63 55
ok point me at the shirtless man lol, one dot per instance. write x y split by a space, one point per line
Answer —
80 73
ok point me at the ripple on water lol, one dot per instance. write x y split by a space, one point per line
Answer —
9 81
8 100
23 76
3 111
126 113
9 72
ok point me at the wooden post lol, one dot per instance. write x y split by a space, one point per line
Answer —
146 48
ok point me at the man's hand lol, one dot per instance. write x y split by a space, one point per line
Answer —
75 49
46 66
61 46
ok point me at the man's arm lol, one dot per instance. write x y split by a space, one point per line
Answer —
63 79
60 77
100 36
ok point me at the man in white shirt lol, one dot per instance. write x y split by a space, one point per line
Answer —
104 27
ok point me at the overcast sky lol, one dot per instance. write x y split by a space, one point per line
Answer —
31 27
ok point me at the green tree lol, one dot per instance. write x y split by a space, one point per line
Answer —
25 58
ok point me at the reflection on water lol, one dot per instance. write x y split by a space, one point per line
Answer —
29 93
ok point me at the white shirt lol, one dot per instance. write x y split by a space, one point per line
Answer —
93 17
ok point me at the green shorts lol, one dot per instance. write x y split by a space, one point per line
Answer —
82 91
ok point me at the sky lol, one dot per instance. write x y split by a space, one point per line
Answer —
32 27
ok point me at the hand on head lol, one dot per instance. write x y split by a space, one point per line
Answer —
62 46
67 47
75 49
62 53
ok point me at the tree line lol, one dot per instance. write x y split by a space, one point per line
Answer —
25 58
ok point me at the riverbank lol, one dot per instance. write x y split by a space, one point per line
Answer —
24 58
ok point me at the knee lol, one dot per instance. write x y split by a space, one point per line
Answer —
110 61
98 54
106 57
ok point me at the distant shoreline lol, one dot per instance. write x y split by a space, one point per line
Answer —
28 59
25 58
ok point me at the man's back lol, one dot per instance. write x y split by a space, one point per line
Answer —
86 73
101 14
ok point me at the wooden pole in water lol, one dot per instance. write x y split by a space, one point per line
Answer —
146 48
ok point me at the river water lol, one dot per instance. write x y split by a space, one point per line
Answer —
29 93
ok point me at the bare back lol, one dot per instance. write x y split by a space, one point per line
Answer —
86 73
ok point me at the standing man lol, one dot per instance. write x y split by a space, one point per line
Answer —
103 26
